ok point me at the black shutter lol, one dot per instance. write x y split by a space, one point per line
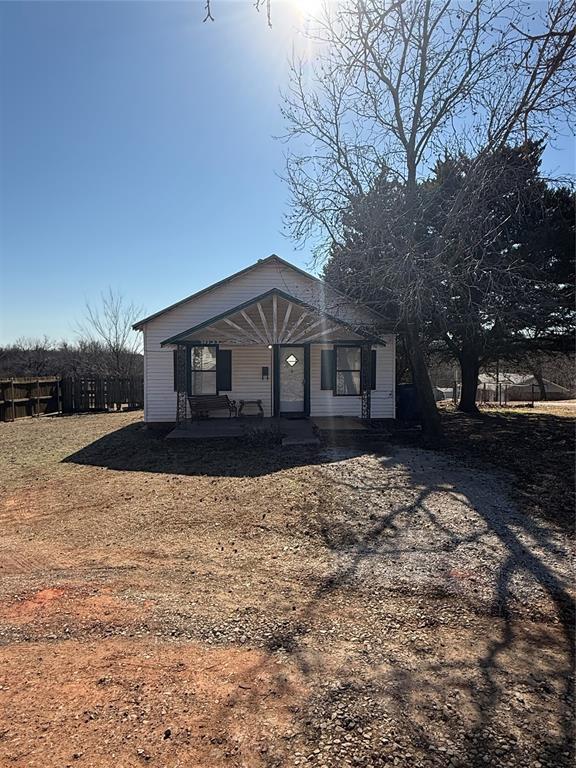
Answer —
175 363
224 370
327 369
373 370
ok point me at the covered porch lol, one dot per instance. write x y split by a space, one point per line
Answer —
270 339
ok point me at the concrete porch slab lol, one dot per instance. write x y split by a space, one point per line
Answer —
295 431
339 423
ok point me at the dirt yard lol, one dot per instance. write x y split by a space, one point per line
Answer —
175 606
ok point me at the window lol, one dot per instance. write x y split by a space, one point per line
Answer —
203 371
348 365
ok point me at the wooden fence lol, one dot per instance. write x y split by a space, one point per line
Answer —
36 396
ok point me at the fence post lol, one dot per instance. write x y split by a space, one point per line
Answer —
58 397
12 396
532 403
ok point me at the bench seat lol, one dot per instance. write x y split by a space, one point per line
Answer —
201 405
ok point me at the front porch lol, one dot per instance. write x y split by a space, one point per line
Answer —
294 431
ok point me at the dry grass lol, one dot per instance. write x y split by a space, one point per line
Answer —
165 603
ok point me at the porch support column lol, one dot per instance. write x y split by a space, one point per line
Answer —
366 380
181 384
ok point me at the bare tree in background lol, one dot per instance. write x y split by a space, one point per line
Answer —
109 325
32 355
392 87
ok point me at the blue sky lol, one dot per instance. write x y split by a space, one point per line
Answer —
137 151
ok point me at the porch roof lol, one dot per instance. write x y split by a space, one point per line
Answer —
274 317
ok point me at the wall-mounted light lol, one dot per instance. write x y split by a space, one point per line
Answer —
265 373
269 346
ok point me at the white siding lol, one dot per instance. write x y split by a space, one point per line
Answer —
247 384
383 402
160 398
324 403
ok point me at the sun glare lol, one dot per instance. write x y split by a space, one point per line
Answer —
307 7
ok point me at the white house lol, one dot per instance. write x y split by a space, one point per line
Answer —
270 333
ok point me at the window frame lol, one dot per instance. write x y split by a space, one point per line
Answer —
214 370
335 392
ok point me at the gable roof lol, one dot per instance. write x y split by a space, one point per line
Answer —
273 258
269 259
184 335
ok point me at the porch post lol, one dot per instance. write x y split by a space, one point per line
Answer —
181 383
366 380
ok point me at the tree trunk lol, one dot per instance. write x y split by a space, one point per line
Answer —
541 385
469 370
431 427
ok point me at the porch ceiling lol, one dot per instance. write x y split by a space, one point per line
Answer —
272 318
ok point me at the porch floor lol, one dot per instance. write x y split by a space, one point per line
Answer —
295 431
343 423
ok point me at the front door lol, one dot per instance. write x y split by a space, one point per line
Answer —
292 379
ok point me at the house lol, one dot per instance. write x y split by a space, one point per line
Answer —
270 333
521 386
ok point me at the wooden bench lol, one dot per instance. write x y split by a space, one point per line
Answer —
201 405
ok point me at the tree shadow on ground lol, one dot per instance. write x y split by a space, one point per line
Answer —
536 448
136 449
506 675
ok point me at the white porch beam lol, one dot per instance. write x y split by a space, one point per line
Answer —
309 328
254 327
285 323
319 334
264 323
242 330
228 336
296 325
224 335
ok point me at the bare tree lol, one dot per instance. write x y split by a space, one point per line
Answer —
32 356
392 87
109 325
